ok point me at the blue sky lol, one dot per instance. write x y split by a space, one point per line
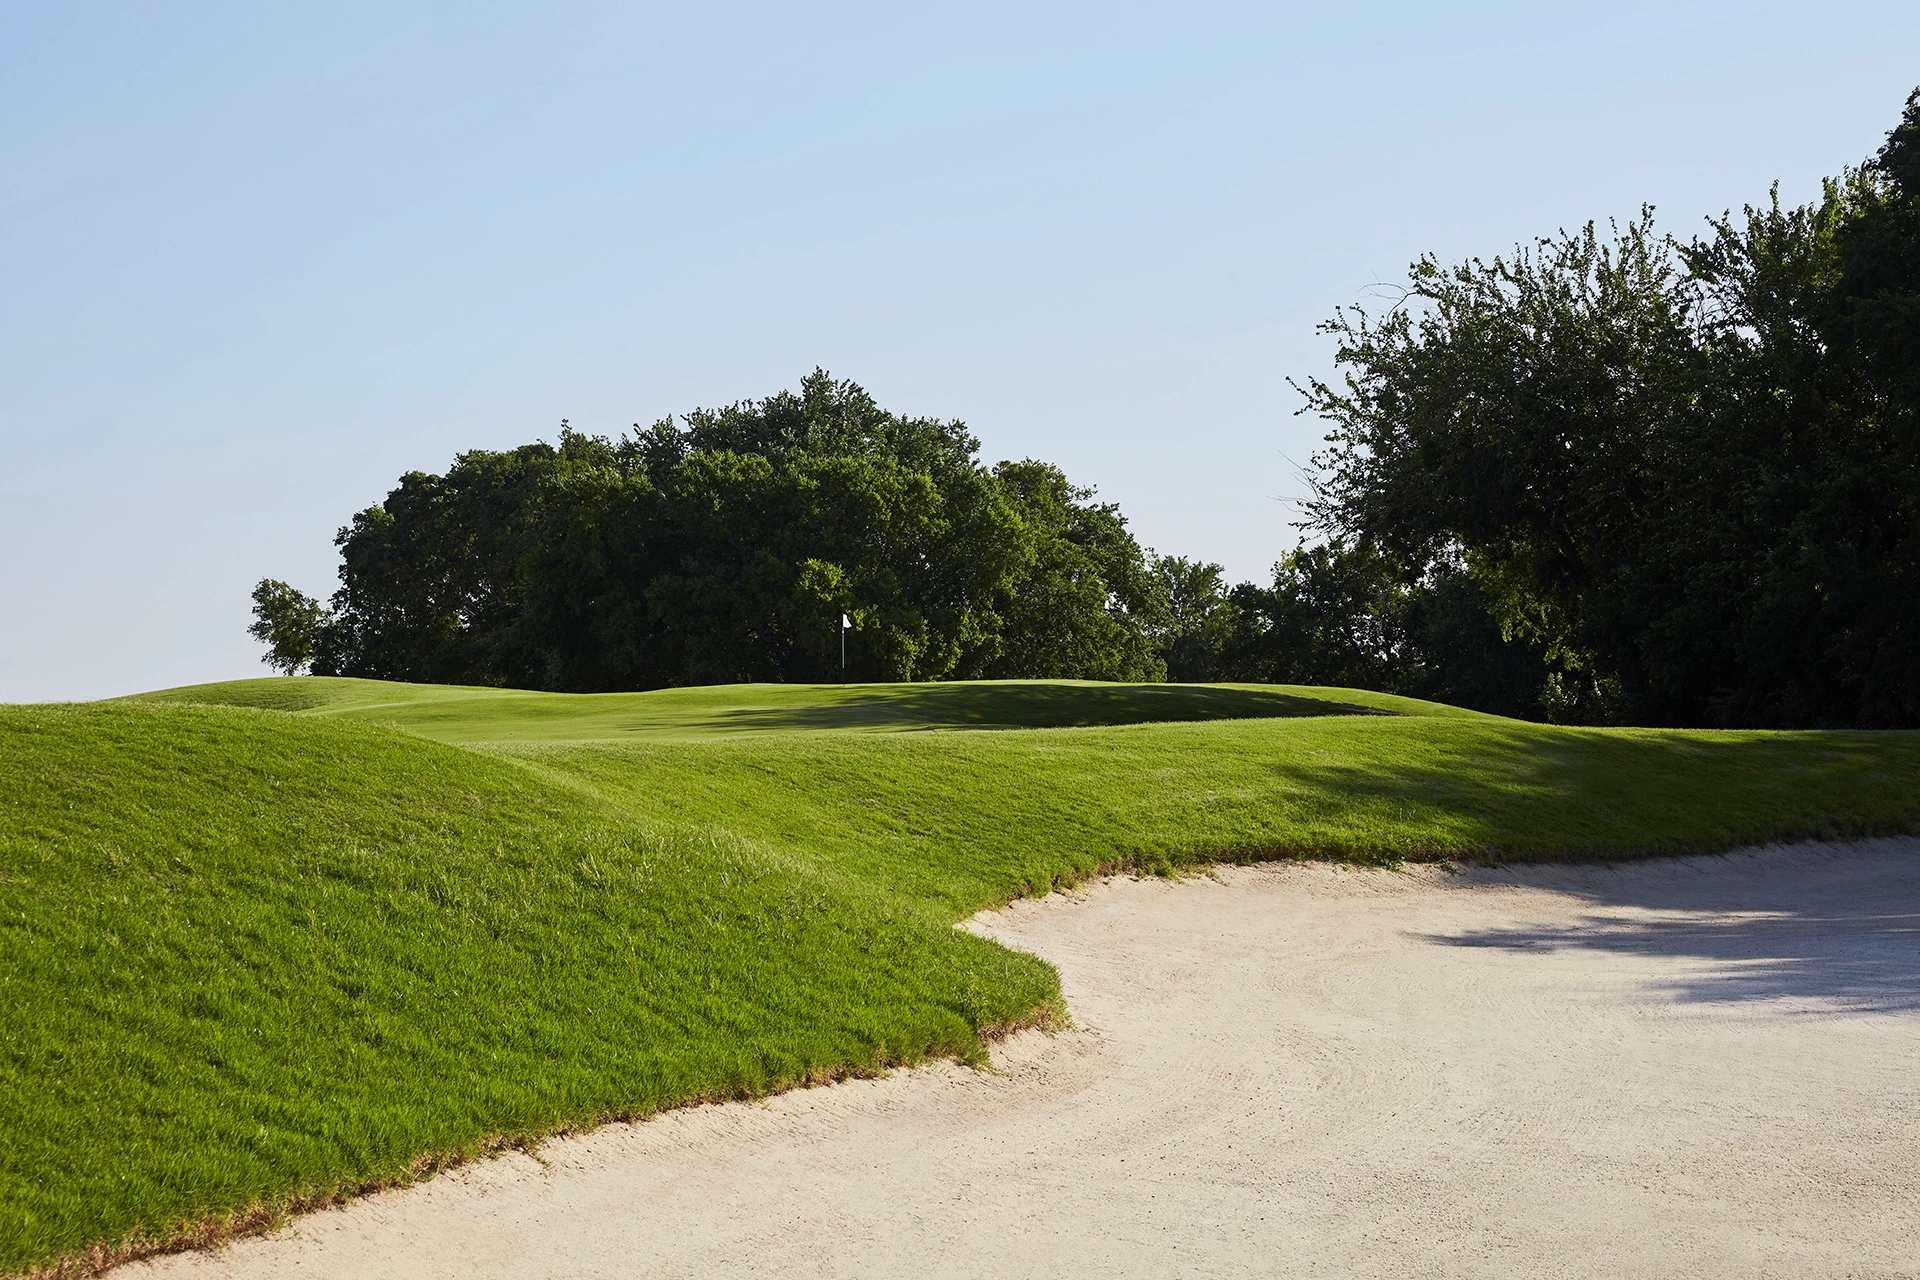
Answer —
255 261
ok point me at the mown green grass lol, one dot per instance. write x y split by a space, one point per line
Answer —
969 820
253 956
468 714
250 956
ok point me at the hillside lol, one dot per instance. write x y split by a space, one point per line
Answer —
271 940
468 714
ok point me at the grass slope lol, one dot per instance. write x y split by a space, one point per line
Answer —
255 956
250 957
467 714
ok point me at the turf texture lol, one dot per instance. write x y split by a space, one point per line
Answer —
269 941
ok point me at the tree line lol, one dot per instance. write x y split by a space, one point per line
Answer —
739 544
1687 474
732 545
1607 479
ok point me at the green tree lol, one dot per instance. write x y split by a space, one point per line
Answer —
1199 619
430 581
1461 655
1344 613
1086 605
1335 615
1519 411
1689 474
780 516
287 622
727 545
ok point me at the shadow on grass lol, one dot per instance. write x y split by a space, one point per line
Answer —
1840 929
998 705
1542 793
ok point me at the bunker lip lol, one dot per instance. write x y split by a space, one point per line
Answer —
221 1230
1694 1066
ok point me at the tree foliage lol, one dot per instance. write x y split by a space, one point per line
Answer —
286 621
1086 604
1689 474
726 546
1342 614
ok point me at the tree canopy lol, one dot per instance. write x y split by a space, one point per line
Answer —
727 546
1688 473
287 622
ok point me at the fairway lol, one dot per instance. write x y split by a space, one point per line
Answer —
272 941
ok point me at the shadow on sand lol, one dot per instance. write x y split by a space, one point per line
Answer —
1835 925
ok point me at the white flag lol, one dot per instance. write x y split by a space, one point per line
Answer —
845 622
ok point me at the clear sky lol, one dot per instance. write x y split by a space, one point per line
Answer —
258 260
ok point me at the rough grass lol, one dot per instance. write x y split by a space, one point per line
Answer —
257 957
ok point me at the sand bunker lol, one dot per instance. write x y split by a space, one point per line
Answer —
1703 1067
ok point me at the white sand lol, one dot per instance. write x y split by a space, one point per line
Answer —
1706 1067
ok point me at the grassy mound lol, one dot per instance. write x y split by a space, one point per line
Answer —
257 956
251 958
466 714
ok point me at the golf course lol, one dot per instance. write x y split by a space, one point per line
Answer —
275 943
